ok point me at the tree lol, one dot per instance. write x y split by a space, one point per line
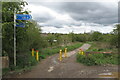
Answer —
50 39
96 36
72 36
8 9
80 38
26 38
115 39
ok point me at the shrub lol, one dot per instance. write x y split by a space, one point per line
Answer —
98 59
25 60
85 60
5 70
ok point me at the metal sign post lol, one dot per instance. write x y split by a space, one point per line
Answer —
19 17
15 37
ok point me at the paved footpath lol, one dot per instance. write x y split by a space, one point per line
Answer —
51 67
84 48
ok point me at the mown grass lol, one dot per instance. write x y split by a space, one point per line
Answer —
100 58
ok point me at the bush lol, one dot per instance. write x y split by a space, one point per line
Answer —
81 38
25 59
85 60
98 59
97 36
5 70
114 41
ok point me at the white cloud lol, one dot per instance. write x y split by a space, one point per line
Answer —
77 29
63 21
55 30
44 11
72 0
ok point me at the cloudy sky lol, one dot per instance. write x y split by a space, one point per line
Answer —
79 17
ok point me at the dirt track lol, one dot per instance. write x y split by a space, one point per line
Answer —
68 68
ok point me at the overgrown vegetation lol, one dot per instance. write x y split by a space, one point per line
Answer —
98 59
102 42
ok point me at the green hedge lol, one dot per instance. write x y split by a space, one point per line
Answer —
98 59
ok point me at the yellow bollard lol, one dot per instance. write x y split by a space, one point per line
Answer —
80 51
37 56
65 54
60 57
32 52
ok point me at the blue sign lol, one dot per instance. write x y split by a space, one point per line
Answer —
20 24
23 17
